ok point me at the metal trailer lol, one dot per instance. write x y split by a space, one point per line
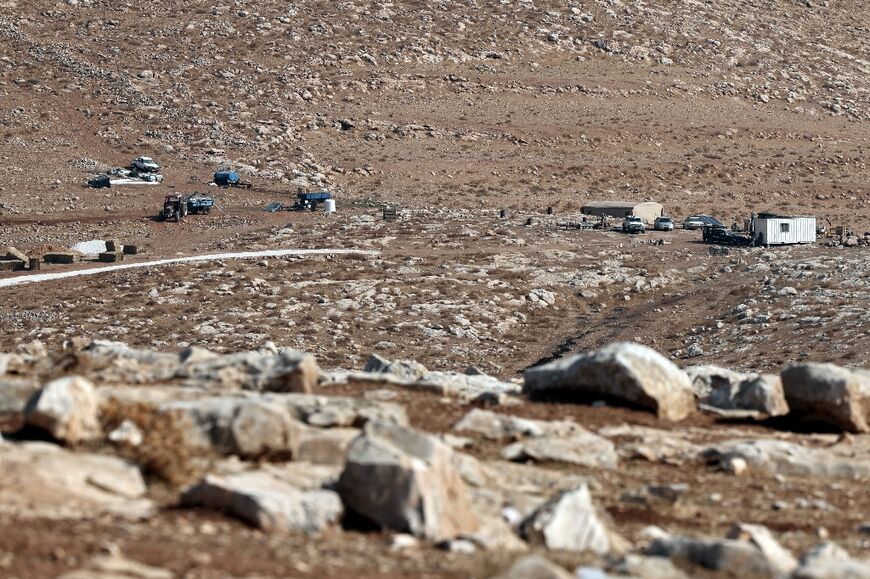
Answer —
770 229
310 201
199 204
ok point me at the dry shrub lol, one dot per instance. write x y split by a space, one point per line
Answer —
164 452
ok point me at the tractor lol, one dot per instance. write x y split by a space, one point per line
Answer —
174 207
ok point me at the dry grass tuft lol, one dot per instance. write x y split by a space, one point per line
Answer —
164 453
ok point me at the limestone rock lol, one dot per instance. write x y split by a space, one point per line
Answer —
45 480
620 371
265 501
498 426
571 522
251 424
753 552
729 390
824 552
405 480
787 458
829 393
108 361
403 369
779 559
583 448
262 370
261 427
848 569
324 445
67 409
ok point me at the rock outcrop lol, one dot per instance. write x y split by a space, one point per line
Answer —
266 501
622 371
404 480
726 389
570 521
67 409
828 393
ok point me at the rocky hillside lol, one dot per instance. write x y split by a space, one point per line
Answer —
723 107
438 473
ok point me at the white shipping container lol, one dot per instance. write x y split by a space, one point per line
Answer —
784 230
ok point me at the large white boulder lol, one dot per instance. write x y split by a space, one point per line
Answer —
266 501
405 480
620 371
829 393
729 390
44 480
66 408
570 521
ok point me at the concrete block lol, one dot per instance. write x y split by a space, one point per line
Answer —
61 258
11 265
111 256
11 253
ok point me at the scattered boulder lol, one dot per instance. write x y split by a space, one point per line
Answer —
779 559
622 371
67 409
749 550
788 458
324 445
582 448
570 521
500 426
265 501
409 370
44 480
729 390
828 393
261 427
250 424
404 480
262 370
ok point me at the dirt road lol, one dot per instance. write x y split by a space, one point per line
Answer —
41 277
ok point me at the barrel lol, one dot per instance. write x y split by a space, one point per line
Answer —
329 206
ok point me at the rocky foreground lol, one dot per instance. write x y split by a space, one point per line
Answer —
500 475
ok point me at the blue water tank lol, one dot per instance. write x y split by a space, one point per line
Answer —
226 177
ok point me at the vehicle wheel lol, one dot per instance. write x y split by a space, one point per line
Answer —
177 216
207 210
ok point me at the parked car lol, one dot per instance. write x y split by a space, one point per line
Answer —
663 224
699 221
693 222
633 224
146 164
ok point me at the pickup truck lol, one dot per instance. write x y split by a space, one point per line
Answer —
633 224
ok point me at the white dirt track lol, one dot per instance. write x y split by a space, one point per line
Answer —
41 277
